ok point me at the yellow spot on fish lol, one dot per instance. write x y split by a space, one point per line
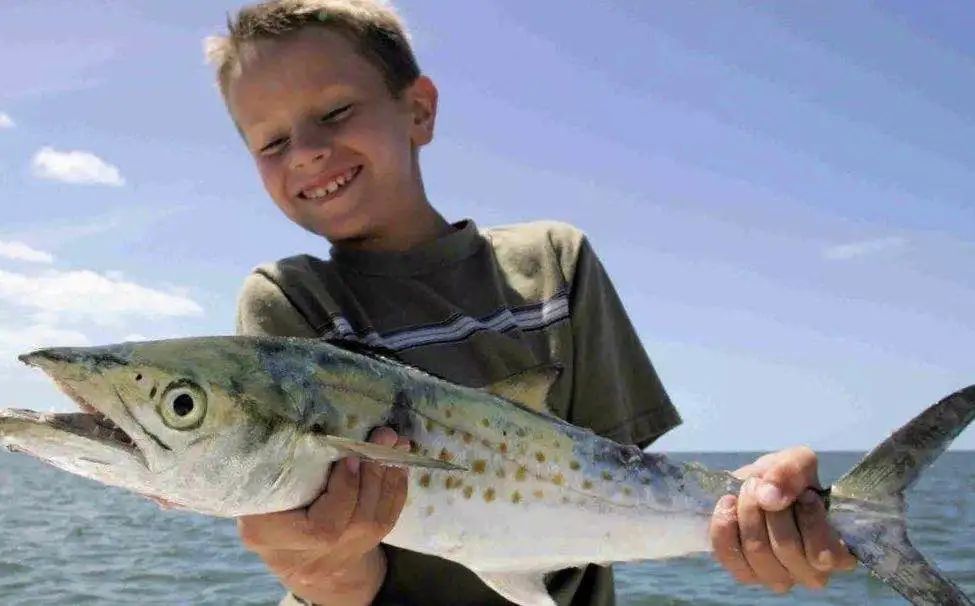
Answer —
503 448
500 473
540 457
607 476
558 480
445 455
485 422
574 465
414 447
479 466
565 500
468 438
586 485
516 497
627 491
351 421
451 482
468 491
520 432
521 473
489 495
448 413
485 444
429 510
451 431
429 425
425 480
538 494
556 444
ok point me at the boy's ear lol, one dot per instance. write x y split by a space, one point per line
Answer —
422 97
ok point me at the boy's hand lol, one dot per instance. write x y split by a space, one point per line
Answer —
764 536
329 552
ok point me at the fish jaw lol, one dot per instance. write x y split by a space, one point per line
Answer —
77 443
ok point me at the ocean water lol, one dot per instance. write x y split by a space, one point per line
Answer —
66 540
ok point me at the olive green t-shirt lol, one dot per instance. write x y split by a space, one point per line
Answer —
475 307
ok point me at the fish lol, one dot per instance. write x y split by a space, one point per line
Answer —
230 426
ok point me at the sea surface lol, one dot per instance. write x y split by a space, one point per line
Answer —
66 540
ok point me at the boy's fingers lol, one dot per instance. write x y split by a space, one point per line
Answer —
787 545
371 481
816 534
725 540
824 551
329 515
755 541
393 497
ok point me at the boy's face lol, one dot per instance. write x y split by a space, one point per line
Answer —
335 150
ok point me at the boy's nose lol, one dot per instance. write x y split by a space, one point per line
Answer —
302 158
308 149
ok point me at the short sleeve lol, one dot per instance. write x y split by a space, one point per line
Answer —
263 309
615 388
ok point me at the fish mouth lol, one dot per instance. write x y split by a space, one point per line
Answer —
91 422
93 426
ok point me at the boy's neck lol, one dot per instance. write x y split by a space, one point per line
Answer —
426 225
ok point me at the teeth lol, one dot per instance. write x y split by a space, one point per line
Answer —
332 186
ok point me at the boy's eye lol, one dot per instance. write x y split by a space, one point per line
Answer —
273 145
336 114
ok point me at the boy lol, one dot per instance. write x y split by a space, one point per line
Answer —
328 98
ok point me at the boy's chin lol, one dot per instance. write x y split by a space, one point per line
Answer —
338 233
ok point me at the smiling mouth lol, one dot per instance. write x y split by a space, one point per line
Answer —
332 188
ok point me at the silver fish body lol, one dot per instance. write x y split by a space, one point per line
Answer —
231 426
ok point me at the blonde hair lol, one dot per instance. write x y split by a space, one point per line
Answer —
372 26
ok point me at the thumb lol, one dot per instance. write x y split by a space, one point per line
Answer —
790 472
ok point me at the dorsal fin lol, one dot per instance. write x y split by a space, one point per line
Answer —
364 349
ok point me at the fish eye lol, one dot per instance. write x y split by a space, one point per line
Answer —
183 406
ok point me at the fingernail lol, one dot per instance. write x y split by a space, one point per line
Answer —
825 560
769 496
352 464
726 504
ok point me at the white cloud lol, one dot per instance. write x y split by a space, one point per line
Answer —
842 252
19 251
88 295
6 121
135 337
77 167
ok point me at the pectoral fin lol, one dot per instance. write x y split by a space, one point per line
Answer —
522 588
386 455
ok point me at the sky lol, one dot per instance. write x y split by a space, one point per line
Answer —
782 193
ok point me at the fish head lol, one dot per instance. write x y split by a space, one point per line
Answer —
199 423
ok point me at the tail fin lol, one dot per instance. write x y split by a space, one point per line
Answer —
867 504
